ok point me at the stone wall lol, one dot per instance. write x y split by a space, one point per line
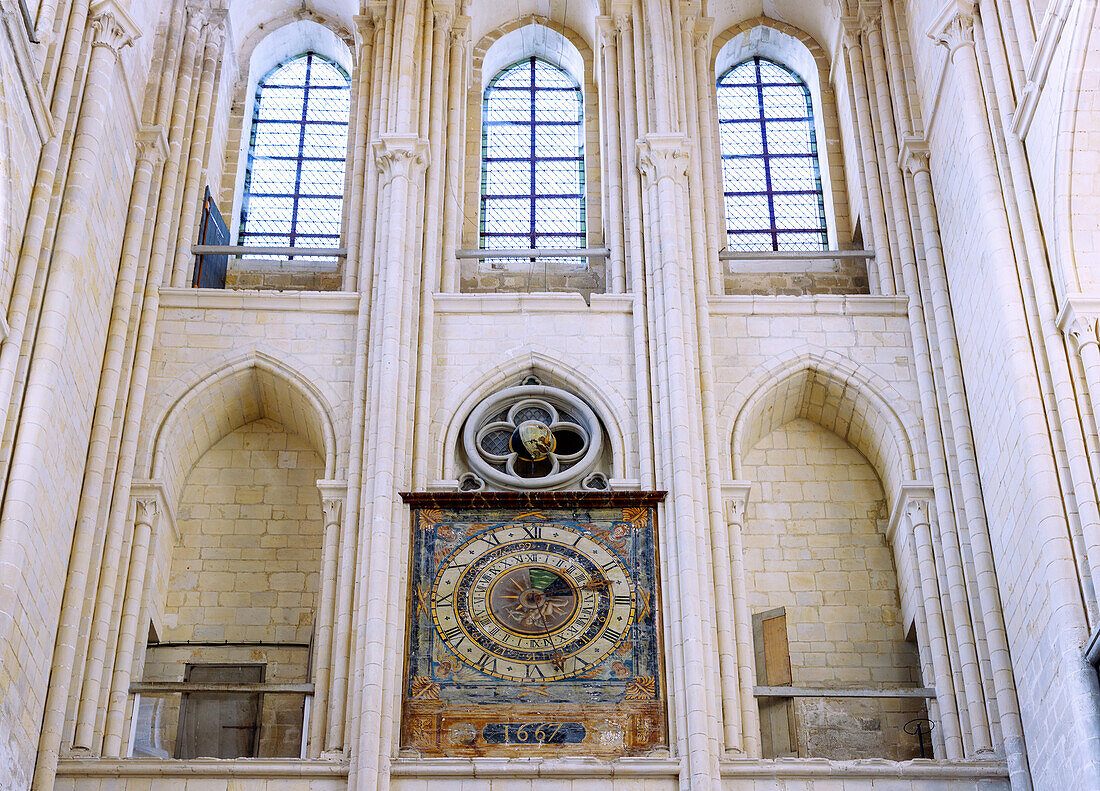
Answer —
814 545
246 568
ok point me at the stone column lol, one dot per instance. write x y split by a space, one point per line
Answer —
112 30
135 402
609 89
456 145
146 519
917 504
152 147
1079 319
737 501
663 160
874 214
196 168
332 505
401 162
955 30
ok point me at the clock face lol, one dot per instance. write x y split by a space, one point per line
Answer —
530 602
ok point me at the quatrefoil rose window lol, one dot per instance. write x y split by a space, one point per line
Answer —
532 437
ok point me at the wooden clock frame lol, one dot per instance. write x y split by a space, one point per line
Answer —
616 708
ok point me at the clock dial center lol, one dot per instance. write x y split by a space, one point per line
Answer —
532 600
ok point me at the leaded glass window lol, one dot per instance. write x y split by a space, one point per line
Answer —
532 164
770 171
294 186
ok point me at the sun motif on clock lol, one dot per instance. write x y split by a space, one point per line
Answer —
534 625
531 602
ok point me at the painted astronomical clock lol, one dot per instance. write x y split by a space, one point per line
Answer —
533 625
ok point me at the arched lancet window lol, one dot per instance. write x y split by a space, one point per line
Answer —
294 186
770 171
532 165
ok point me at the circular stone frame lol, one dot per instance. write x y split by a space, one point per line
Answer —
504 400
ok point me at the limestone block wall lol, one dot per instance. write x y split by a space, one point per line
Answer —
842 276
247 565
814 544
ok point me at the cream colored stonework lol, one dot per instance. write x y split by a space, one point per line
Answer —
895 441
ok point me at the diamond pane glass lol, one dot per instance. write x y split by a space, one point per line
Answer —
771 174
532 169
294 186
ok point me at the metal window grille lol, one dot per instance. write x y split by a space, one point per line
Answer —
770 170
294 186
532 163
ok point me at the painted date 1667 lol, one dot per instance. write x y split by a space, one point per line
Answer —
520 733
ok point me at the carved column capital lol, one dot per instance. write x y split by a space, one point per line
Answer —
663 156
917 510
849 26
870 18
1079 319
954 27
401 156
914 155
146 510
112 27
609 31
735 497
622 20
443 18
377 12
152 144
214 22
704 26
332 507
460 30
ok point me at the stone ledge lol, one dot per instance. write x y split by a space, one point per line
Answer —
550 302
241 299
201 767
917 769
820 305
534 767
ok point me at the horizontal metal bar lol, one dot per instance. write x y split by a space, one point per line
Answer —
792 255
527 252
152 687
237 249
813 692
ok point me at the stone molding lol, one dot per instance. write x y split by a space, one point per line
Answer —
1079 320
201 767
664 156
112 27
1038 70
27 71
295 301
817 305
400 156
571 302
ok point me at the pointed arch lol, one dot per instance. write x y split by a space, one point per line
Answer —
233 394
610 406
837 394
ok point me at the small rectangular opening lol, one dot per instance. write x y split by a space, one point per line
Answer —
220 724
